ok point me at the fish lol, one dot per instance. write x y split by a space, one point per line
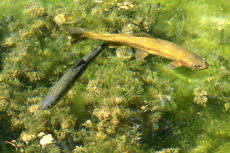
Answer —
146 44
66 82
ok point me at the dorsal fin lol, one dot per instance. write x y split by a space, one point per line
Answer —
143 34
79 62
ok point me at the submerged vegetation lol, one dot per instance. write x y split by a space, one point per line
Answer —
124 105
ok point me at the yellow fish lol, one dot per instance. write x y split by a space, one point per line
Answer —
147 44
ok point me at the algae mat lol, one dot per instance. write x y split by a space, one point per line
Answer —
120 105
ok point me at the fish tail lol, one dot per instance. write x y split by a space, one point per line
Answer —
77 34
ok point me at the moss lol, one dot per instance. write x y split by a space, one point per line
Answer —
126 106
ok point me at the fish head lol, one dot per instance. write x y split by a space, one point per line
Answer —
199 64
48 101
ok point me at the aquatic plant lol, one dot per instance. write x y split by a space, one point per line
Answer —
125 105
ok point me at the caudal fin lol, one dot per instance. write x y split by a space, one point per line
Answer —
76 34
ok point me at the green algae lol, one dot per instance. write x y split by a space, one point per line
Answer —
127 106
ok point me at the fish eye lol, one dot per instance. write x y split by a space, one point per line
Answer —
197 66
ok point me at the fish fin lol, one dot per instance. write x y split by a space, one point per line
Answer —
83 79
173 65
79 62
74 40
113 45
139 55
143 34
76 34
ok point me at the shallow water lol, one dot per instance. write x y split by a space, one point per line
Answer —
127 105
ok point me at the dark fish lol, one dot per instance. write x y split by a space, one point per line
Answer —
69 78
